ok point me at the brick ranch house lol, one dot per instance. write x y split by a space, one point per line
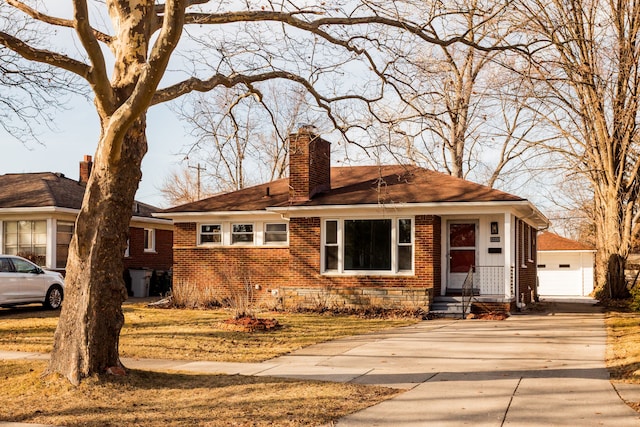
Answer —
387 236
37 219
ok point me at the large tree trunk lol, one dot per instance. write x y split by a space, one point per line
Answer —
87 336
613 249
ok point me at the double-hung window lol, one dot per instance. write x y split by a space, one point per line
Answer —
275 234
210 234
368 245
242 234
331 245
149 240
405 244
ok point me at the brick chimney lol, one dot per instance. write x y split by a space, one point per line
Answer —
85 169
309 164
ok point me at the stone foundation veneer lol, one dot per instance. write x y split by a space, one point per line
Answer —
356 298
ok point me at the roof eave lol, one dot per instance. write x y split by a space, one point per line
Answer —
524 208
176 216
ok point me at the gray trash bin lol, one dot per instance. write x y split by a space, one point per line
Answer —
140 280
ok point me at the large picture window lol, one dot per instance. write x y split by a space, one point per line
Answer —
27 239
368 245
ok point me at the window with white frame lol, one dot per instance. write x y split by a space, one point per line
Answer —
27 239
331 245
367 245
275 233
241 234
64 232
149 240
405 245
532 242
210 234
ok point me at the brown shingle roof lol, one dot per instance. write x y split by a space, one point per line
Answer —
548 241
48 189
357 185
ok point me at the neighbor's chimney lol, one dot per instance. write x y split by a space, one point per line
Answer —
309 164
85 169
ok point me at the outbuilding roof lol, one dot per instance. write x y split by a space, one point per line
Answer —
548 241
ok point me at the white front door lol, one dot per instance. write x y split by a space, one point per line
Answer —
462 248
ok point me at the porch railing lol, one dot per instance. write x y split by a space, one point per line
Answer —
490 280
467 292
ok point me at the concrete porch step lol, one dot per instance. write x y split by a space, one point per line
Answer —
447 306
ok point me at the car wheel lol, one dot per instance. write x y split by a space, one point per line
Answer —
53 301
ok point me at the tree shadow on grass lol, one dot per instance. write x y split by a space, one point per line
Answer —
145 398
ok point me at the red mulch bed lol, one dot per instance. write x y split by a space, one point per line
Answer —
249 324
492 316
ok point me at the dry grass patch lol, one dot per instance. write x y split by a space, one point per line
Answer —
176 399
193 334
623 349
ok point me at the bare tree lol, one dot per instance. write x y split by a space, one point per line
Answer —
31 90
241 138
462 113
306 45
185 185
584 69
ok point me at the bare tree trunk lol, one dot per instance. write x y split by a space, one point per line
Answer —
87 336
613 250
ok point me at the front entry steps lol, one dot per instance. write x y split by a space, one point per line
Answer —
447 306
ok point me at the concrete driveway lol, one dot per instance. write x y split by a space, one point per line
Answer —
537 369
543 369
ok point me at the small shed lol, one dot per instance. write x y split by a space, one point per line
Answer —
565 266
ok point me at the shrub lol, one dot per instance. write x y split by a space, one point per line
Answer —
192 295
634 303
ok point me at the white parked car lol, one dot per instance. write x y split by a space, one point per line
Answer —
23 282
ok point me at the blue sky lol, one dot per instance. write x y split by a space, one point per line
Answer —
77 134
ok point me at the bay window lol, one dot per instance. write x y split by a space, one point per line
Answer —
64 233
27 239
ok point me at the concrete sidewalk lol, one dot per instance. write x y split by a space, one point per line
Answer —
542 369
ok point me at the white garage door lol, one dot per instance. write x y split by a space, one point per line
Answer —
560 275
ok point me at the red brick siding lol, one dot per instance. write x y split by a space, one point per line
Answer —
527 269
309 165
160 259
491 307
184 234
223 267
296 270
305 241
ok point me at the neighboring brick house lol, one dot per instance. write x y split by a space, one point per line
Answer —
37 219
390 236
